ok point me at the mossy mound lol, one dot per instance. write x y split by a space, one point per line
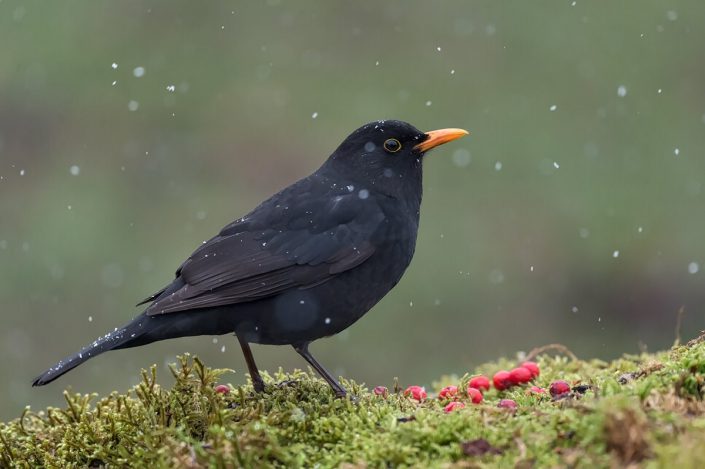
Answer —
638 411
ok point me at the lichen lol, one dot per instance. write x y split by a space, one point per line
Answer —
638 411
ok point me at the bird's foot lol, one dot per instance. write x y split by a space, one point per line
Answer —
287 382
258 384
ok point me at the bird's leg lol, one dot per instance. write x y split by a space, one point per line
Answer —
302 350
257 381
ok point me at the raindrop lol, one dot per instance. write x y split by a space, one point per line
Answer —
672 15
574 309
693 268
584 233
640 229
452 72
327 321
438 48
553 107
21 172
171 88
133 105
90 318
112 275
370 147
114 65
75 170
615 254
677 152
428 103
222 349
138 72
496 277
556 165
363 194
314 115
621 91
461 157
498 166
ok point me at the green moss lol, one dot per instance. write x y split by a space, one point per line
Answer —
644 410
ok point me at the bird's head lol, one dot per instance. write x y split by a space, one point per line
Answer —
387 152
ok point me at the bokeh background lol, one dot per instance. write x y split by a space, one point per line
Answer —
131 131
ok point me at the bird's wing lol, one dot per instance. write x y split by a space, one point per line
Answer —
277 247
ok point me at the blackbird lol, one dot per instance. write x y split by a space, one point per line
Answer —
306 263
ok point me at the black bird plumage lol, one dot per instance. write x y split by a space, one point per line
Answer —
306 263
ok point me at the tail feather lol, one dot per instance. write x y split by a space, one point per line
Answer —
119 338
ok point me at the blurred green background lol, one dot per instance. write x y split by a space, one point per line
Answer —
131 131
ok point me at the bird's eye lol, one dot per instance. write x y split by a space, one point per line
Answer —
392 145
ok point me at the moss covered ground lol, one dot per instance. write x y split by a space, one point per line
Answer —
638 411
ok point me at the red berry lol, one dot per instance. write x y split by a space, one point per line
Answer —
507 404
448 392
535 390
415 392
475 395
453 406
520 375
559 388
380 391
533 367
222 389
479 382
502 380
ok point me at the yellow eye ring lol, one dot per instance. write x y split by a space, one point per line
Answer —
392 145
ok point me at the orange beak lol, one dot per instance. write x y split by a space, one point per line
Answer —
439 137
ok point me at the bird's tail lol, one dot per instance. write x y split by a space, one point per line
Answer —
124 337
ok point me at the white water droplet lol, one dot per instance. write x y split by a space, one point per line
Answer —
90 318
21 172
615 254
133 105
75 170
693 268
314 115
114 82
114 65
363 194
498 166
428 103
138 72
327 321
171 88
452 72
677 151
640 229
461 157
531 268
574 309
556 165
621 91
438 48
222 349
553 107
